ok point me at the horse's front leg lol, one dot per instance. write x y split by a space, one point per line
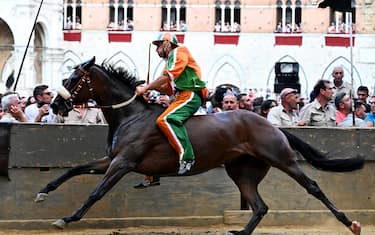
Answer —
99 166
117 169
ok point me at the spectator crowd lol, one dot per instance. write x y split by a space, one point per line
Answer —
37 109
331 103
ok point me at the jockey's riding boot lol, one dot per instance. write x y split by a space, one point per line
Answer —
185 166
148 182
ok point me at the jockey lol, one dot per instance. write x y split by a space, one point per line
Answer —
181 76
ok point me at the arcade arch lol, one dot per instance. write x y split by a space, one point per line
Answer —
120 59
6 49
226 69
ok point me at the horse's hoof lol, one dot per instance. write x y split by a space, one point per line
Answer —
40 197
355 228
60 224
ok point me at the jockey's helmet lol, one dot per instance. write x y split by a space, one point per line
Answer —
166 36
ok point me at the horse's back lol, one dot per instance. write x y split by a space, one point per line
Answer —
228 123
240 130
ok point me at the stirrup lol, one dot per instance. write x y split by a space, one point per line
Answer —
185 166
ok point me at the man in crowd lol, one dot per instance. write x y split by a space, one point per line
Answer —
363 94
360 114
285 114
230 101
40 111
343 105
12 109
244 102
83 114
370 117
339 85
320 112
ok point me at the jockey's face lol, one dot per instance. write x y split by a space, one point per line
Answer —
163 49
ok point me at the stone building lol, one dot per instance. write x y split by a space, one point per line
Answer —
234 41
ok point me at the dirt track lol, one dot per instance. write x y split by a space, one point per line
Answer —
216 230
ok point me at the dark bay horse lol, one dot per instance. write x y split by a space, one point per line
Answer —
247 144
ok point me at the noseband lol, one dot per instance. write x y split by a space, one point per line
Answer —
85 79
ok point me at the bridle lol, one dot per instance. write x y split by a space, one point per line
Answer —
85 79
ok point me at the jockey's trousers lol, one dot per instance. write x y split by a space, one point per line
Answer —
171 122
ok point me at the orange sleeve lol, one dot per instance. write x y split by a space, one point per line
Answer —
177 62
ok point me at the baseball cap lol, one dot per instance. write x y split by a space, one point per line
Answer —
338 99
287 91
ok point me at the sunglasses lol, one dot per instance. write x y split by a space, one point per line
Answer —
47 93
338 73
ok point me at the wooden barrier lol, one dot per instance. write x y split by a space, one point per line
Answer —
39 153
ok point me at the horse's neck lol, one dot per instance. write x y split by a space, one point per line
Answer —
135 110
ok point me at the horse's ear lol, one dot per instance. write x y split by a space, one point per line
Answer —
85 64
137 83
92 61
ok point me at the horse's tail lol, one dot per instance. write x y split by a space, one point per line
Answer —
319 160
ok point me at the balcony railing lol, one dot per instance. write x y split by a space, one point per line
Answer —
72 35
226 38
119 36
338 40
288 39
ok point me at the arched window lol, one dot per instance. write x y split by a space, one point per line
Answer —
227 16
72 14
288 16
173 15
121 15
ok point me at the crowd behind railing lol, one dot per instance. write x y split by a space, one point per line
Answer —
331 103
288 28
37 109
121 25
172 26
70 25
334 28
341 28
227 27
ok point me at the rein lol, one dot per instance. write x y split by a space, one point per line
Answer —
63 92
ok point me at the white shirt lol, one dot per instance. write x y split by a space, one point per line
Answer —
279 117
32 111
7 117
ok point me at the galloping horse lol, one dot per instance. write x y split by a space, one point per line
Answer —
246 143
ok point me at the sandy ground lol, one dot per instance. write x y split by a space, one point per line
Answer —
217 230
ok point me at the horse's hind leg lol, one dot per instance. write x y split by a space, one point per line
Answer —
247 173
95 167
292 169
117 169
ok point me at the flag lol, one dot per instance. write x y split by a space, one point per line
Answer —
337 5
10 81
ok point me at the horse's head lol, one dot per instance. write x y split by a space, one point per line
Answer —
74 90
111 88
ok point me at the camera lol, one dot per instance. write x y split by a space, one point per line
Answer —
40 104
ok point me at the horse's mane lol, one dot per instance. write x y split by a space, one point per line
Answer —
120 74
123 75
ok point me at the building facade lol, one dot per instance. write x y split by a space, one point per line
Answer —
235 41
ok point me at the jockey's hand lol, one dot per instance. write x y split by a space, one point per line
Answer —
140 90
